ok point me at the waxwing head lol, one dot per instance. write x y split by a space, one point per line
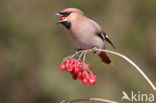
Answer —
67 15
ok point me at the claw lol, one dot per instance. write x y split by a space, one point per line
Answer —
78 50
94 49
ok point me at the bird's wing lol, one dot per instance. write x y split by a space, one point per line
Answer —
104 36
97 27
99 32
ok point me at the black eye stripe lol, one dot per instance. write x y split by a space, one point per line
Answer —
66 14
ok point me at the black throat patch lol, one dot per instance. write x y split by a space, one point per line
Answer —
66 24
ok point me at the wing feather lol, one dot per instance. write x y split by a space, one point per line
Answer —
99 32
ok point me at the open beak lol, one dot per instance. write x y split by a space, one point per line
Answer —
58 22
58 14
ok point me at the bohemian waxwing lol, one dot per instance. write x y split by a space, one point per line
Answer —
86 33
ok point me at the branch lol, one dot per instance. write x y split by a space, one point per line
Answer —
84 52
131 62
89 99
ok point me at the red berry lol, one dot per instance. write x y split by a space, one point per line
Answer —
90 72
72 72
69 68
94 77
75 77
62 67
66 61
81 62
84 81
85 74
87 77
80 75
66 66
77 70
70 62
88 66
92 81
74 61
73 66
80 67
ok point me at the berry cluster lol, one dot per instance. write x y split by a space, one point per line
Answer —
79 69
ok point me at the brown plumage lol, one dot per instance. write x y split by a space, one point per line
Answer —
85 32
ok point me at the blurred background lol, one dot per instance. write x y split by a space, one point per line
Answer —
32 47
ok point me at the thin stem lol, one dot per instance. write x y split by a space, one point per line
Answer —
131 62
88 99
84 56
80 55
84 64
71 56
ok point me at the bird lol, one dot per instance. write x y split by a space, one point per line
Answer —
85 32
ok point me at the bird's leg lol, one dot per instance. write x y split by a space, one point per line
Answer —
94 49
78 50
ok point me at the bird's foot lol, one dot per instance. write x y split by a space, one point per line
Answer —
94 49
78 50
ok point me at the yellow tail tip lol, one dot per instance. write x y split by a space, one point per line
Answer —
110 64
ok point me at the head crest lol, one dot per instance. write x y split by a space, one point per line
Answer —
72 10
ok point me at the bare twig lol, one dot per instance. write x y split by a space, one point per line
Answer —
88 99
131 62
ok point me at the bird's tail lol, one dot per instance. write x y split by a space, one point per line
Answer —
105 58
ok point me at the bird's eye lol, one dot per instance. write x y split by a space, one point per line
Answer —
66 14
